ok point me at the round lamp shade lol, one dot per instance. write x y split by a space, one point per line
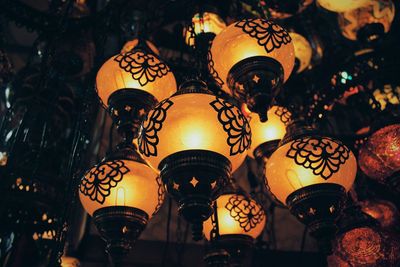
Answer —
205 22
125 183
128 46
272 130
237 215
379 158
383 211
302 51
342 5
379 13
307 161
194 121
246 39
137 69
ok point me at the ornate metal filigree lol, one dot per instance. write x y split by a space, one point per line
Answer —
268 33
321 154
144 67
245 211
148 139
284 114
160 193
235 125
98 181
212 70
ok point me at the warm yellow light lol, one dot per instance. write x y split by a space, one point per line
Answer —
237 215
138 70
302 51
379 11
342 5
233 45
69 262
128 46
308 161
120 183
206 22
273 129
191 122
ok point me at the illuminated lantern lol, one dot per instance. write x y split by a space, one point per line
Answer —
130 45
195 139
342 5
383 211
379 158
131 83
250 60
69 262
302 51
285 9
203 23
236 222
121 193
266 135
311 174
368 22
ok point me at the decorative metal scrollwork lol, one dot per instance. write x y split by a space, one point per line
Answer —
160 193
284 114
148 138
212 70
268 33
235 125
144 67
321 154
245 211
98 181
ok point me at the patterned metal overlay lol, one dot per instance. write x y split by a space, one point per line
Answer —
144 67
284 114
161 194
98 181
148 139
212 70
245 211
235 125
268 33
321 154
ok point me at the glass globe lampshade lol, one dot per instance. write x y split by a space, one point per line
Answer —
368 22
302 51
130 45
121 193
195 139
266 135
250 59
379 157
206 22
70 262
342 5
236 222
311 174
383 211
130 84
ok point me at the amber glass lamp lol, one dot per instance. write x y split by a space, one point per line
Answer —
236 222
203 23
121 193
250 60
131 83
302 51
385 212
342 5
311 174
368 22
379 157
195 139
267 135
69 262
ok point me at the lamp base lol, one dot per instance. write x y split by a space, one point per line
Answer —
256 81
238 247
128 108
318 206
119 226
194 178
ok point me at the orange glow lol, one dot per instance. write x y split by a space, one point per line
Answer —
227 223
233 45
111 78
273 129
69 262
342 5
302 51
284 176
383 211
128 46
138 188
379 11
